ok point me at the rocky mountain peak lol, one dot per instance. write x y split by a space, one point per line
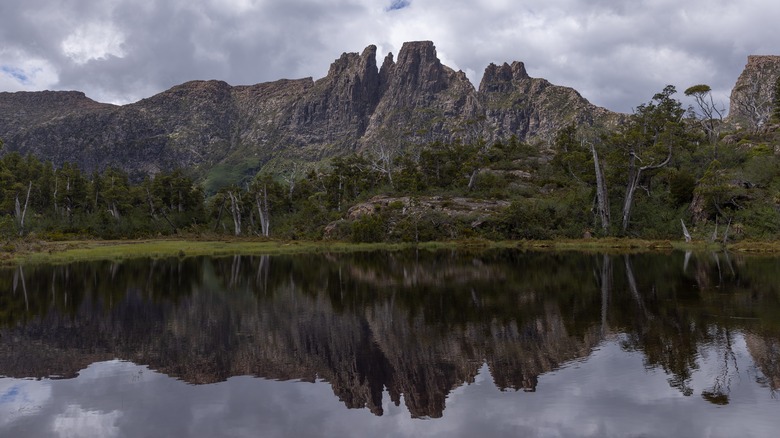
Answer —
419 67
502 78
751 98
354 76
386 71
362 64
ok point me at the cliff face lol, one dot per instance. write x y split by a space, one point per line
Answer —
358 105
517 104
751 98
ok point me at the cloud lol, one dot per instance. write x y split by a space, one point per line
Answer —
617 55
76 421
21 72
20 399
93 42
398 4
16 73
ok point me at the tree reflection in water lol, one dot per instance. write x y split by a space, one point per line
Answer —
413 324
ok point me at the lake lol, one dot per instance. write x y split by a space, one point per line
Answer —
407 343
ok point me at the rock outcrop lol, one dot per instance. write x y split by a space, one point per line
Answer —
207 124
751 98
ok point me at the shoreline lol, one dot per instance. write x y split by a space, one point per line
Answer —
58 252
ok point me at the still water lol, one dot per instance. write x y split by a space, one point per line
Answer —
495 343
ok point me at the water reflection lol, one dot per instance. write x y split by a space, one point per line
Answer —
403 328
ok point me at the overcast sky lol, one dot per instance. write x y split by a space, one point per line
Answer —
617 53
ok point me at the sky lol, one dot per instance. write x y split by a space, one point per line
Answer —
616 53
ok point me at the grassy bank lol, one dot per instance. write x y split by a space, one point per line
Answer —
70 251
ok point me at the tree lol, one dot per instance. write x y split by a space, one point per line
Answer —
709 115
381 159
647 142
72 194
268 195
234 194
115 192
577 155
570 155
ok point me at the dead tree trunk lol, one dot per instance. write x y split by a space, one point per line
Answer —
235 209
54 196
606 291
726 233
22 212
472 179
685 231
601 191
262 209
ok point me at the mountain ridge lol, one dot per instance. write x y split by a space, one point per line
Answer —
226 133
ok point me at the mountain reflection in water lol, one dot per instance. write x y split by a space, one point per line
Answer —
409 326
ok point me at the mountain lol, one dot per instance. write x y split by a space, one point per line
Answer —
225 132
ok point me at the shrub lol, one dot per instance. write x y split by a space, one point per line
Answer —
369 228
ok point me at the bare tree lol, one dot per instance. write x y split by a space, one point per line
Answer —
709 114
235 210
22 212
261 200
291 177
381 160
601 191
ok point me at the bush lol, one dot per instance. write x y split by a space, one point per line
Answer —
369 228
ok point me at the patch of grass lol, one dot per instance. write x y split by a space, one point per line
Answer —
73 251
615 245
755 246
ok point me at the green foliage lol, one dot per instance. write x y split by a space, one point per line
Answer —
681 187
235 170
369 228
760 150
572 156
543 219
760 221
67 202
700 89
